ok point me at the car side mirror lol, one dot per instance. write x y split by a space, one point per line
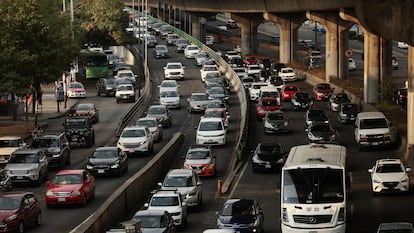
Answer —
159 184
199 183
183 67
370 170
146 205
165 68
48 183
408 169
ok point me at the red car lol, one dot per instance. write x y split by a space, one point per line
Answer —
232 23
200 159
70 187
87 109
288 91
322 91
250 60
19 210
266 104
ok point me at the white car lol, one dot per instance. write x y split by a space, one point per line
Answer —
153 125
232 54
402 45
76 90
254 90
125 92
8 145
241 72
172 202
170 98
191 50
200 57
351 64
125 74
187 183
389 175
170 85
174 70
135 140
211 131
287 74
206 69
253 70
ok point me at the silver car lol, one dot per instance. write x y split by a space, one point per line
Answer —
197 102
161 113
28 165
275 121
153 125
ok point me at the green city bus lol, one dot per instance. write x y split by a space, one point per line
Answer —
95 64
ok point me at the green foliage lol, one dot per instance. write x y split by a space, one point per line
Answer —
103 22
35 44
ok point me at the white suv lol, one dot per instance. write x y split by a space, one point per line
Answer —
187 183
211 131
174 70
190 51
125 92
136 139
172 202
8 145
389 175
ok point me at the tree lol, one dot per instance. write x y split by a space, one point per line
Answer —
35 45
104 21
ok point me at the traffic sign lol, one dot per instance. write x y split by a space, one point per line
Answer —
349 53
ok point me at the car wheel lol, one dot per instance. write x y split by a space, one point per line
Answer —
38 220
21 227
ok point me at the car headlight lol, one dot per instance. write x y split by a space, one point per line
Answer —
115 165
404 179
285 215
191 194
332 137
76 193
255 159
296 103
33 170
267 124
49 193
342 114
341 215
12 217
56 155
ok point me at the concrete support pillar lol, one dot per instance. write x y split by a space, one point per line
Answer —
410 100
198 27
371 67
248 23
335 42
288 28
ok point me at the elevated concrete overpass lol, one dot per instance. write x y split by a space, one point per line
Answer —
381 20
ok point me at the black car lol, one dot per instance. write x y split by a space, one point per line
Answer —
400 97
268 156
337 99
242 215
347 112
161 51
321 133
107 161
315 115
106 86
301 101
56 148
157 221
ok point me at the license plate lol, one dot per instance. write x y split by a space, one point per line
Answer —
198 171
375 143
124 97
268 166
210 140
101 171
61 199
19 177
313 232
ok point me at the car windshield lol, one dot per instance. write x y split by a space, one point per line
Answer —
76 122
111 81
168 84
68 179
123 75
217 90
24 158
9 203
199 97
275 116
214 114
302 96
350 108
321 128
198 154
323 87
286 71
83 107
389 168
210 68
377 123
148 123
316 114
291 88
165 201
169 94
9 143
151 221
76 85
178 181
396 230
45 142
211 126
156 111
174 67
243 207
269 103
133 133
215 105
313 185
105 154
125 88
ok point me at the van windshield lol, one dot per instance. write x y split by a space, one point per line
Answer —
377 123
313 186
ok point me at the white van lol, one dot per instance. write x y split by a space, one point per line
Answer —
373 129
